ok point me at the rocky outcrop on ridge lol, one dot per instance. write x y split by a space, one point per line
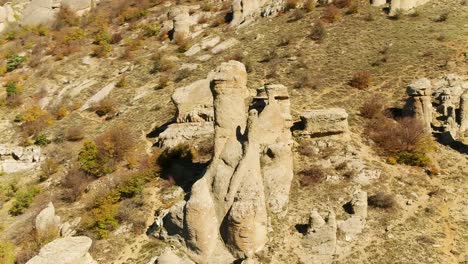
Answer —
249 176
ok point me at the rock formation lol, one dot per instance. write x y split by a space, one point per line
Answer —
404 5
47 222
243 182
419 103
354 225
168 257
325 122
14 159
320 238
449 115
70 250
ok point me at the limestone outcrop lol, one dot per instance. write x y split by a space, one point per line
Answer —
440 104
354 225
419 102
15 159
405 5
320 238
249 176
70 250
47 222
325 122
39 12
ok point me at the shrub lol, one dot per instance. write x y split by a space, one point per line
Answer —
297 15
23 199
381 200
332 14
7 253
361 80
163 81
60 112
122 82
161 64
88 159
102 49
309 5
442 17
312 175
75 182
412 159
291 4
373 107
116 38
151 29
405 134
65 18
35 120
14 62
74 134
103 219
41 140
116 144
182 75
11 89
318 32
48 168
104 107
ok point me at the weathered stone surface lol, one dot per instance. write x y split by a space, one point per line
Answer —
47 222
405 5
14 159
250 173
419 103
70 250
320 239
378 2
244 11
194 102
227 44
464 112
325 122
168 257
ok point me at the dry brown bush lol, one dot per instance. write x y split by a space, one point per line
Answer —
382 200
104 107
74 133
361 80
332 14
312 175
405 134
116 144
373 106
318 32
75 182
65 18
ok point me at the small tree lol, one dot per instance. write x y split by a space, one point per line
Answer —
88 158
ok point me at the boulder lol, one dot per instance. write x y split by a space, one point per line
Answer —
320 238
70 250
47 223
15 159
225 45
168 257
325 122
194 102
405 5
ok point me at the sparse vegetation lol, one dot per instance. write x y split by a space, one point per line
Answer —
312 175
361 80
332 14
7 253
318 32
23 199
382 200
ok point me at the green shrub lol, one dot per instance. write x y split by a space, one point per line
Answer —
413 159
152 29
103 218
7 253
41 140
11 89
88 158
23 200
14 62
